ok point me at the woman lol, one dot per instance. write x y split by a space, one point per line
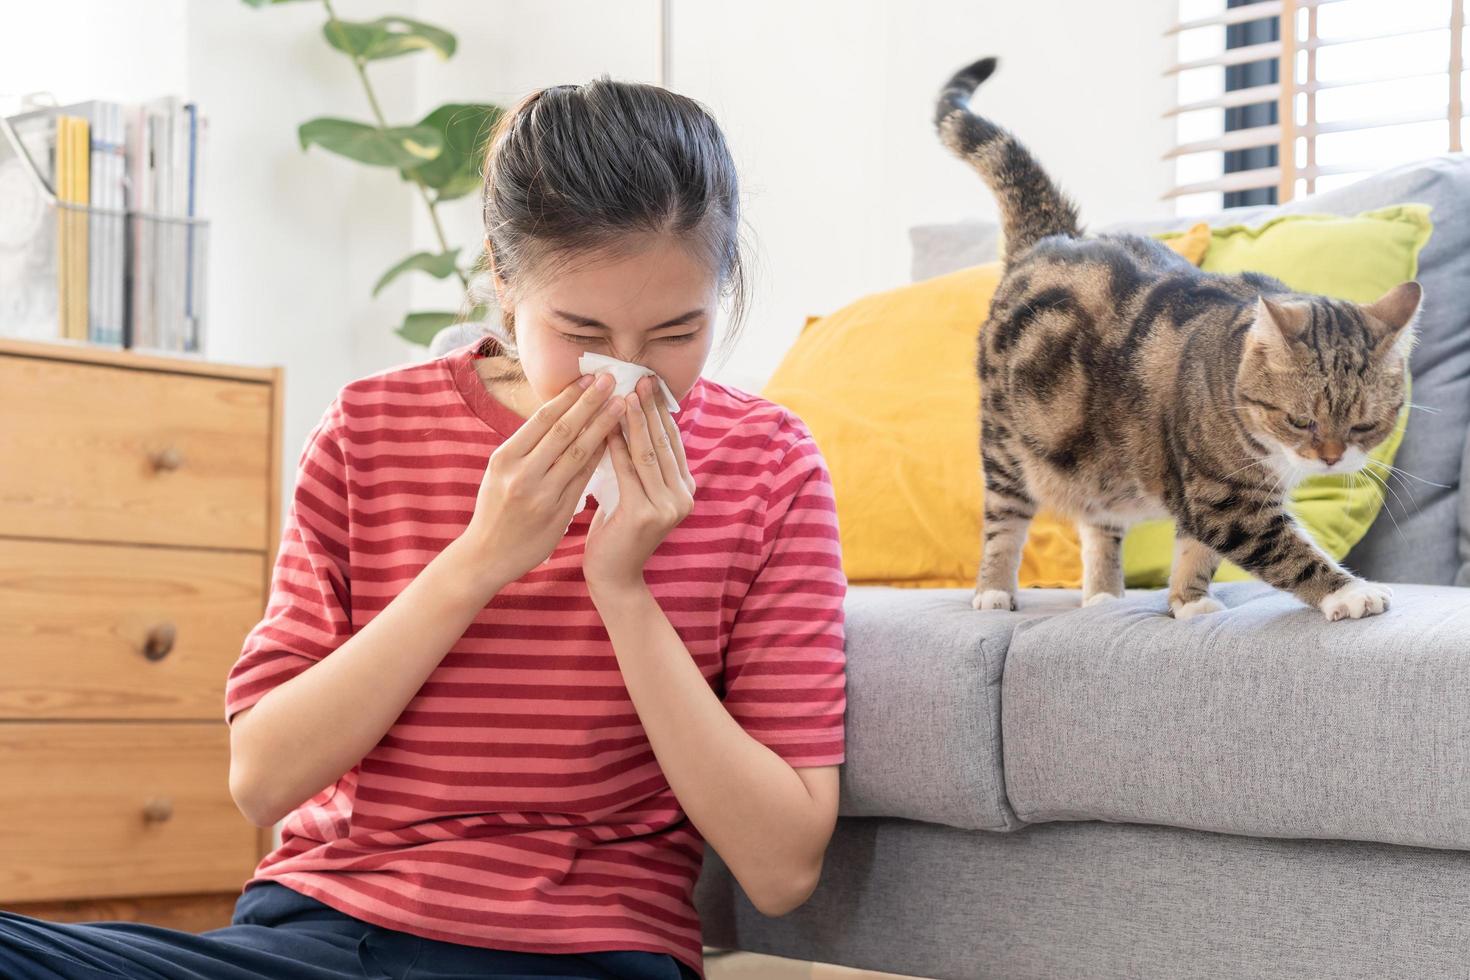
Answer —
500 725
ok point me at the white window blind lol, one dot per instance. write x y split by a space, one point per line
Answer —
1361 85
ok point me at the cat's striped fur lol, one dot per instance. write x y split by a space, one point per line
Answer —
1120 383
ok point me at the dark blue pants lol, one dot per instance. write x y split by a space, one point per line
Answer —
280 934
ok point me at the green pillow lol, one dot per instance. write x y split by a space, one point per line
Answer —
1357 259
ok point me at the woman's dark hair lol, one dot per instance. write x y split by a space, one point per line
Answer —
574 169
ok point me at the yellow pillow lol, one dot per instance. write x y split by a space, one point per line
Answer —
889 389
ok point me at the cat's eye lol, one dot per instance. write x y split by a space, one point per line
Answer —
1365 426
1297 422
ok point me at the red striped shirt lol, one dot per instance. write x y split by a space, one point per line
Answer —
516 803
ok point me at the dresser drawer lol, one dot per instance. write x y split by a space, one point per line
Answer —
92 631
93 452
114 808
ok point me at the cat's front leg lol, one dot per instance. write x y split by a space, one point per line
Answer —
1189 578
1008 512
1272 547
1102 562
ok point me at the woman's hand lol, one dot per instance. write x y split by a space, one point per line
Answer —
536 478
655 489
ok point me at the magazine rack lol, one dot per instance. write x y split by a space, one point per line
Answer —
118 278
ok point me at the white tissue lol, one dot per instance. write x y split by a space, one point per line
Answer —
625 374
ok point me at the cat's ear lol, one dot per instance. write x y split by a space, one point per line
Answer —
1391 316
1277 324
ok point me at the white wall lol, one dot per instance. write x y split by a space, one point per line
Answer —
826 103
830 104
297 239
91 63
827 106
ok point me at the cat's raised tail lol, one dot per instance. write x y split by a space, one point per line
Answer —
1031 206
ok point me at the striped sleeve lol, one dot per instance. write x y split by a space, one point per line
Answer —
785 665
307 613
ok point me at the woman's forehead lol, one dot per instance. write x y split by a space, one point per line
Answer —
637 286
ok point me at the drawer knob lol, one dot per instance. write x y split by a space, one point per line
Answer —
158 809
167 459
160 641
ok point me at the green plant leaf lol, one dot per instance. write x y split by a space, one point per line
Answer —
440 265
464 128
397 146
419 328
387 37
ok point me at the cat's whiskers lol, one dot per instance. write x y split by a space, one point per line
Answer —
1254 462
1396 471
1275 497
1386 509
1387 486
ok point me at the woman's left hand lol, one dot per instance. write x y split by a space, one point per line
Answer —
655 489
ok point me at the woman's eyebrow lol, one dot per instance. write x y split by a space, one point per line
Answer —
587 321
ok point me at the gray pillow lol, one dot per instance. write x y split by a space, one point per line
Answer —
938 249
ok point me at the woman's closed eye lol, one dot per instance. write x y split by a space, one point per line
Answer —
579 338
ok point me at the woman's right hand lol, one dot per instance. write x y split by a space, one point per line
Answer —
536 479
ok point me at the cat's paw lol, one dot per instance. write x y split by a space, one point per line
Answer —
1202 606
993 599
1356 600
1098 598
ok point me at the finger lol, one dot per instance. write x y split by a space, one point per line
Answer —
525 437
676 444
560 425
630 490
627 474
586 450
577 485
640 446
658 434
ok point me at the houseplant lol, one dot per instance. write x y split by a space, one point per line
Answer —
439 155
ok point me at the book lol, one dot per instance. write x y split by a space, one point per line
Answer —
105 226
191 322
81 161
72 169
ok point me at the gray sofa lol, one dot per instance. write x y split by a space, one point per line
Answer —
1105 792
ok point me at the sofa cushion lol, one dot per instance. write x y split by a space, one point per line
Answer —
923 704
1264 719
1464 577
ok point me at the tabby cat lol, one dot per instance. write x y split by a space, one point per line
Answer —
1120 383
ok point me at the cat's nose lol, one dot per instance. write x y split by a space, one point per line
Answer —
1331 452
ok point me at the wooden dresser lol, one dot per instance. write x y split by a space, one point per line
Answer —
138 528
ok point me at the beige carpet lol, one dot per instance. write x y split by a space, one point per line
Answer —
755 966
